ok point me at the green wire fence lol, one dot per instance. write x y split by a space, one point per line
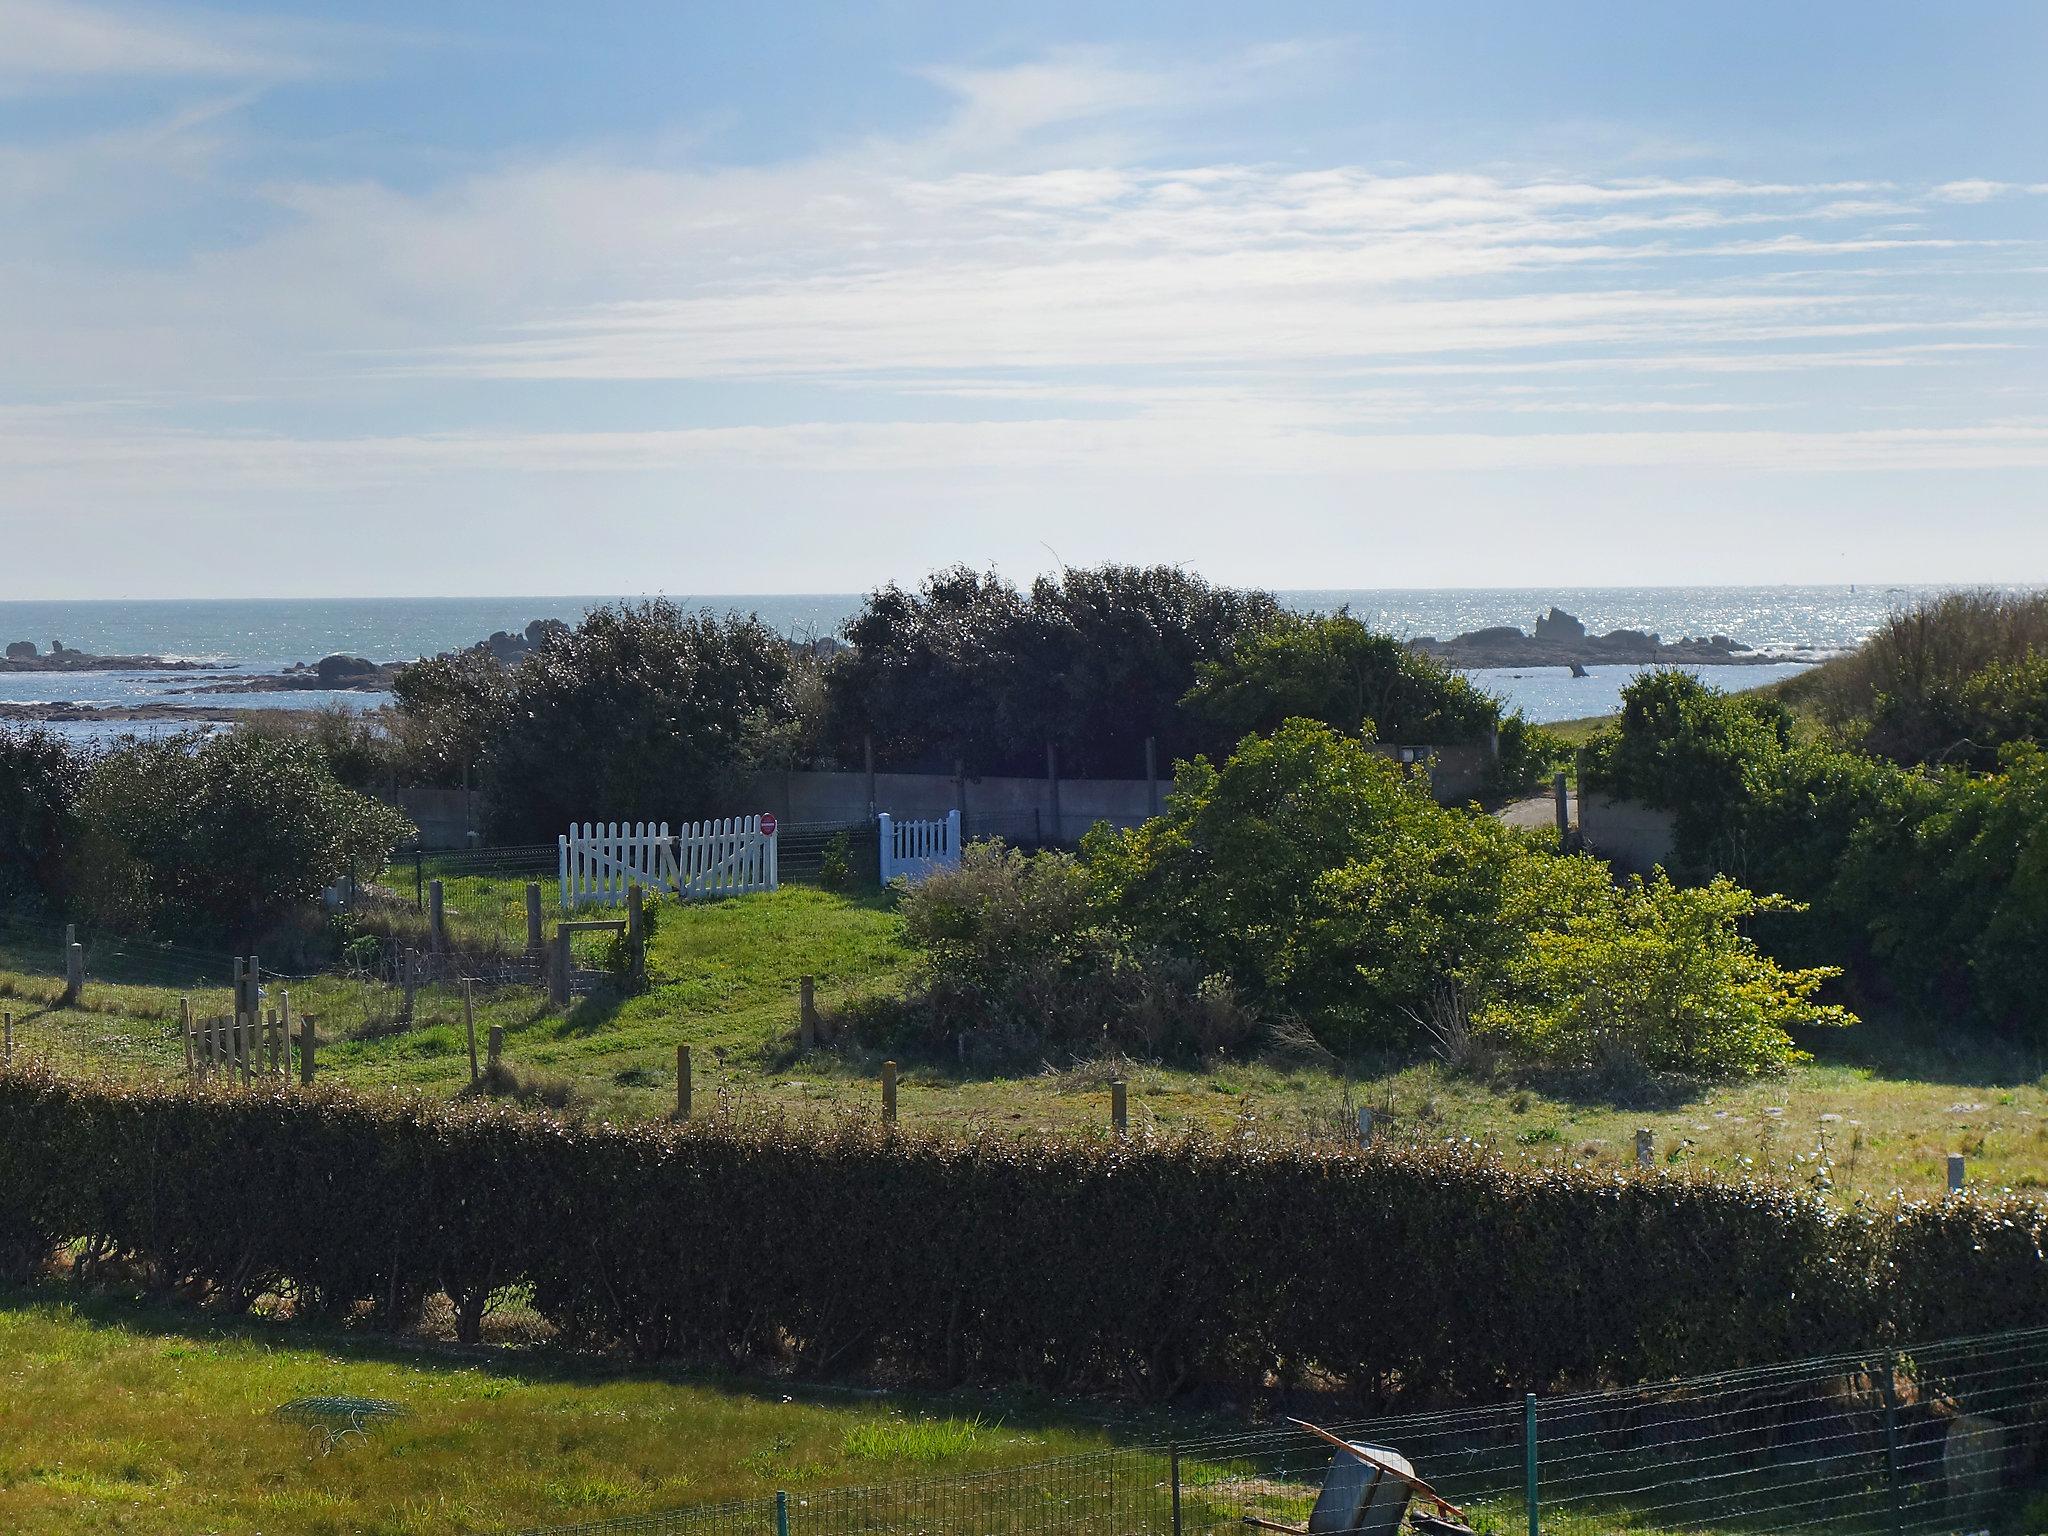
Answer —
1943 1437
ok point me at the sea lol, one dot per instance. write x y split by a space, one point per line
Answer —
1803 624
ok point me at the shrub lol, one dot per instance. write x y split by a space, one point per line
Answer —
1328 885
448 710
835 863
40 782
233 830
642 712
1017 968
1660 975
1148 1263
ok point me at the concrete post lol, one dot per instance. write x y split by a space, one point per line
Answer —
1645 1147
535 939
1955 1173
558 973
1052 782
496 1057
74 974
889 1092
1119 1106
437 914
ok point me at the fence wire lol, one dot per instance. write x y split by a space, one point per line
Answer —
1944 1437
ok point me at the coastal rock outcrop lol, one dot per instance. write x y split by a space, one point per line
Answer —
1562 640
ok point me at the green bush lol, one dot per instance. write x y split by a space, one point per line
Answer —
1334 669
229 831
1930 885
835 863
40 782
1146 1263
1328 885
1017 968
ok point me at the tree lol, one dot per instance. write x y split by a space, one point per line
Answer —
448 708
231 830
40 781
642 712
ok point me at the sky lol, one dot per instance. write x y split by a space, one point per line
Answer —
492 297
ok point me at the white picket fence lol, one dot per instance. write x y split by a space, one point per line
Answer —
913 849
706 858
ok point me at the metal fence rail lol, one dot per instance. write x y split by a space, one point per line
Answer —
1943 1437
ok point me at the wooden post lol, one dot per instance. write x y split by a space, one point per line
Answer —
271 1041
1955 1173
1564 809
807 1014
558 974
306 1051
185 1029
1152 775
682 1082
889 1091
409 970
437 914
245 1047
74 974
1052 782
1364 1127
636 934
284 1036
1645 1151
535 940
7 1040
496 1057
469 1025
1119 1106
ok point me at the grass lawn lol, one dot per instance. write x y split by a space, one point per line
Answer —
1872 1114
122 1418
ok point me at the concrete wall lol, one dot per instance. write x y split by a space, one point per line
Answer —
445 817
1628 834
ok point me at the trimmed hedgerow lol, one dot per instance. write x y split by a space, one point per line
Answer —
1146 1264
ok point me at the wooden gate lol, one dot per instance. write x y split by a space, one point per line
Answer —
913 849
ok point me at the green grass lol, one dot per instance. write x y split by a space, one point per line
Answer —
1872 1114
117 1418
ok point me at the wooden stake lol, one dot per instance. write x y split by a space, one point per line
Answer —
889 1091
306 1051
682 1082
807 1014
1119 1107
497 1050
469 1025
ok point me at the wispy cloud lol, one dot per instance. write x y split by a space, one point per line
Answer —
49 44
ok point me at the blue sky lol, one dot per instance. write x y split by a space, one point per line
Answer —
475 298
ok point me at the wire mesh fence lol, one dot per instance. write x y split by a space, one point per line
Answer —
1944 1437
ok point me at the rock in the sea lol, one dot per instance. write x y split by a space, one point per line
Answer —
22 650
340 669
1559 625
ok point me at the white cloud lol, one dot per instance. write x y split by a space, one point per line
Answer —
1971 191
48 43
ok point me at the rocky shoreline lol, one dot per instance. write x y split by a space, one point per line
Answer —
1561 640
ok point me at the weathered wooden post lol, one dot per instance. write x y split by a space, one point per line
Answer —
271 1041
807 1014
7 1039
682 1082
469 1024
74 974
1564 809
636 934
558 973
185 1032
1119 1107
889 1091
1151 776
306 1051
535 939
284 1036
1955 1173
437 914
1645 1150
409 973
496 1058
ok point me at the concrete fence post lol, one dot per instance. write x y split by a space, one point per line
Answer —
74 974
1119 1106
495 1059
558 973
1645 1147
1956 1173
535 939
437 914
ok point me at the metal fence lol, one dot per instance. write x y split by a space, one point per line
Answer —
1944 1437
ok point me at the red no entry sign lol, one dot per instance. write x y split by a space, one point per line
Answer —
768 824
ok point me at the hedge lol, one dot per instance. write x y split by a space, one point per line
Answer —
1147 1265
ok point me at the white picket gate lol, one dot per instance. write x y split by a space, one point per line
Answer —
706 858
913 849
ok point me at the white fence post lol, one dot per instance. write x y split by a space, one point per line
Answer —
913 849
887 837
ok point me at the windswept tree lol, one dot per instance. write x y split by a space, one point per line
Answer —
642 712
